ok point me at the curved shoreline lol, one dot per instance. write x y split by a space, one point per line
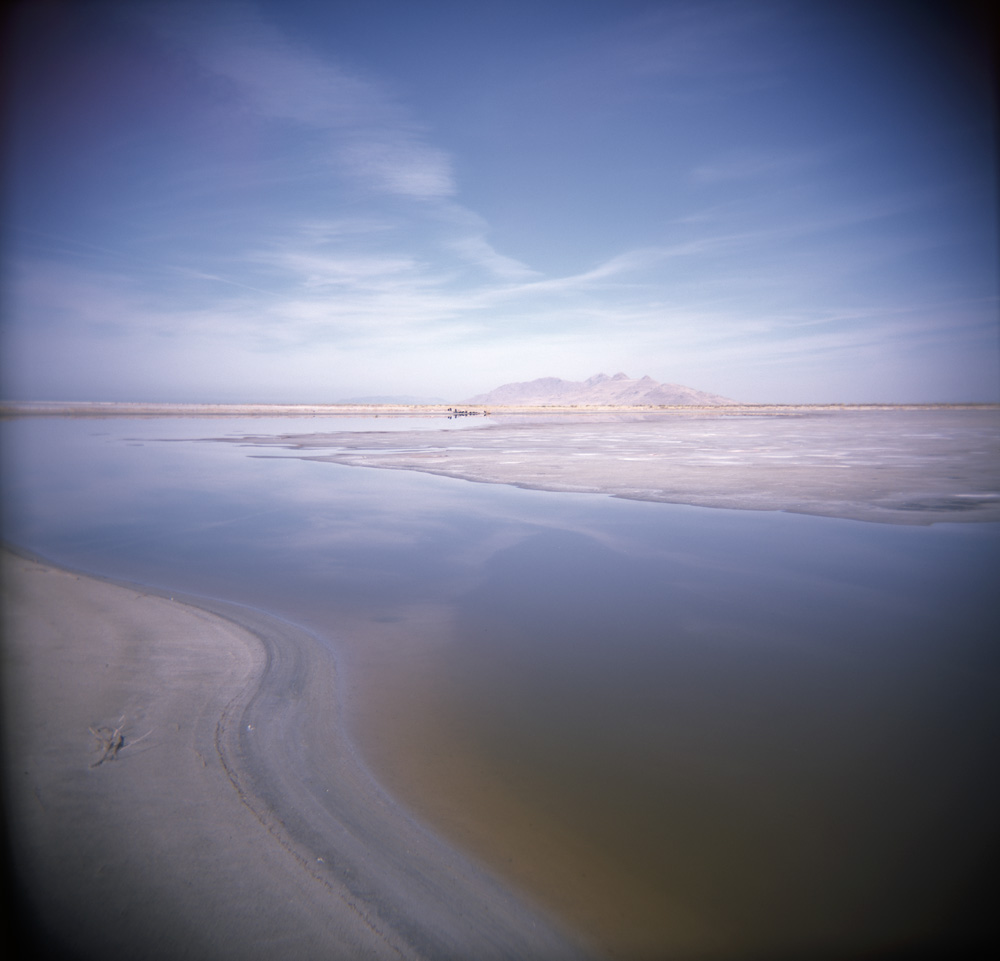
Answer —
308 849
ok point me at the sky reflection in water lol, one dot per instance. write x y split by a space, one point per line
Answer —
779 727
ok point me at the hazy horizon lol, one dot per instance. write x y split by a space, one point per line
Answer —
307 202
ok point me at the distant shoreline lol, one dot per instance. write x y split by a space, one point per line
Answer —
134 409
906 465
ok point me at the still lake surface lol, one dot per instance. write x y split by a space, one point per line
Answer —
713 731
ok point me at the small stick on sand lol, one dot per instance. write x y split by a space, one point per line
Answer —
112 742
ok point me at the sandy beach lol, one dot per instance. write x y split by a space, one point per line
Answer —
179 784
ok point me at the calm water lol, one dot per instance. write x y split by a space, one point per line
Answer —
715 731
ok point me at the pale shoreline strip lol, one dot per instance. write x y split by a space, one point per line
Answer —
237 820
50 408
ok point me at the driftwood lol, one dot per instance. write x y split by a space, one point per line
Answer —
112 740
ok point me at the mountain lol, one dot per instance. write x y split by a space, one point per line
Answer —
620 390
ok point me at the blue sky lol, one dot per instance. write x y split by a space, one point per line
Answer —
309 201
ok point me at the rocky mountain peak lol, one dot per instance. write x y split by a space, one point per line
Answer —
599 390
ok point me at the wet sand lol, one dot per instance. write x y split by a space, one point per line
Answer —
897 466
233 819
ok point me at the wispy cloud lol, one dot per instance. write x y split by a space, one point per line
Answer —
321 231
372 136
399 163
476 249
468 237
372 141
615 269
315 270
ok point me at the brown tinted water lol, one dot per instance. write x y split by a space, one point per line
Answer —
764 755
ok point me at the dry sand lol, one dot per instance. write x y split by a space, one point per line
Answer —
235 819
895 466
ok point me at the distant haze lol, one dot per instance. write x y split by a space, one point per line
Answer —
600 389
391 399
280 202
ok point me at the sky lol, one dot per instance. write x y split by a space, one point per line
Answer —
787 202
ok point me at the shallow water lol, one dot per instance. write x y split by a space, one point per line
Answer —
722 733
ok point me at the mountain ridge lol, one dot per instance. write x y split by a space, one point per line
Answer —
617 390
